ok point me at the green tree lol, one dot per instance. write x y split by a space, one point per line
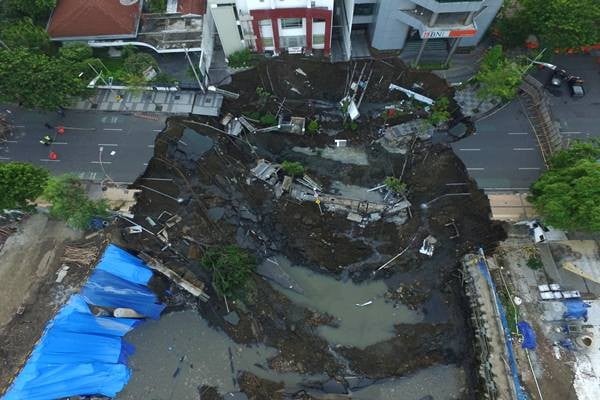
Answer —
137 63
563 23
157 6
231 269
567 194
25 34
36 80
37 10
292 168
439 111
20 183
70 202
268 119
395 185
498 76
240 59
75 51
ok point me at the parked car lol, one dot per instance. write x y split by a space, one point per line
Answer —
576 86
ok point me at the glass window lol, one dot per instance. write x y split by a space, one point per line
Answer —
318 39
287 23
264 22
318 20
267 42
364 9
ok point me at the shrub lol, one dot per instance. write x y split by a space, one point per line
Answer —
535 262
75 51
292 168
313 127
240 59
395 185
231 269
268 119
137 63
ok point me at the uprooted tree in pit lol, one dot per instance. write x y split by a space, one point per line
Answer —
70 202
231 269
567 194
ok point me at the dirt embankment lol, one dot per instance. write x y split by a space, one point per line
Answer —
29 295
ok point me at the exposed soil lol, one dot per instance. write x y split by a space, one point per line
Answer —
29 262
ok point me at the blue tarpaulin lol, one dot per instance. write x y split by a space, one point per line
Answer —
83 354
529 338
576 309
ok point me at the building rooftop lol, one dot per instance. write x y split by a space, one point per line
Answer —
94 18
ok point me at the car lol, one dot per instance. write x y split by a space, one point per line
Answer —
576 86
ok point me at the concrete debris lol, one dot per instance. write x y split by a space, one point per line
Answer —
126 313
246 124
412 95
234 128
287 183
428 246
265 171
61 273
134 229
232 318
300 71
195 289
341 142
354 217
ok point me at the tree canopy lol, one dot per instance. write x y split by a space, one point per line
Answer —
20 183
568 195
75 51
498 76
25 34
38 10
70 202
557 23
231 268
36 80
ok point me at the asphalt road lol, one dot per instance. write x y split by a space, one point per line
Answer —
504 154
126 141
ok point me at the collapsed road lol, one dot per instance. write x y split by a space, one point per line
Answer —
344 302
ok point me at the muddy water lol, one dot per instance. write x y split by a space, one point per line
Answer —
346 155
443 382
363 315
159 372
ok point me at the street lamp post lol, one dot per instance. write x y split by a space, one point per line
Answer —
179 200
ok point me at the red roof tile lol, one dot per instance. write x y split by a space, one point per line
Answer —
191 7
85 18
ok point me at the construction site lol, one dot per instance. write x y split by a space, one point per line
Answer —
360 289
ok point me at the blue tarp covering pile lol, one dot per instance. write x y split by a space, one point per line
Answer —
576 309
529 338
80 353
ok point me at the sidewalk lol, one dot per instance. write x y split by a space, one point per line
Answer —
179 102
462 66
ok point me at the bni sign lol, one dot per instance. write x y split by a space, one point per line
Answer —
455 33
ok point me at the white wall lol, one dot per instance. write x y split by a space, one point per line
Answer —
388 32
247 5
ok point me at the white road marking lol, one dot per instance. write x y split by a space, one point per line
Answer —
517 133
145 164
158 179
523 149
4 158
100 162
60 143
156 130
11 141
108 144
151 146
182 142
112 129
572 133
79 129
470 149
529 168
48 160
475 169
19 126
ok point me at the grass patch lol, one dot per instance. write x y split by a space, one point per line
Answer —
432 66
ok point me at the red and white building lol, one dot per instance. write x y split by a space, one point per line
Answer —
274 25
